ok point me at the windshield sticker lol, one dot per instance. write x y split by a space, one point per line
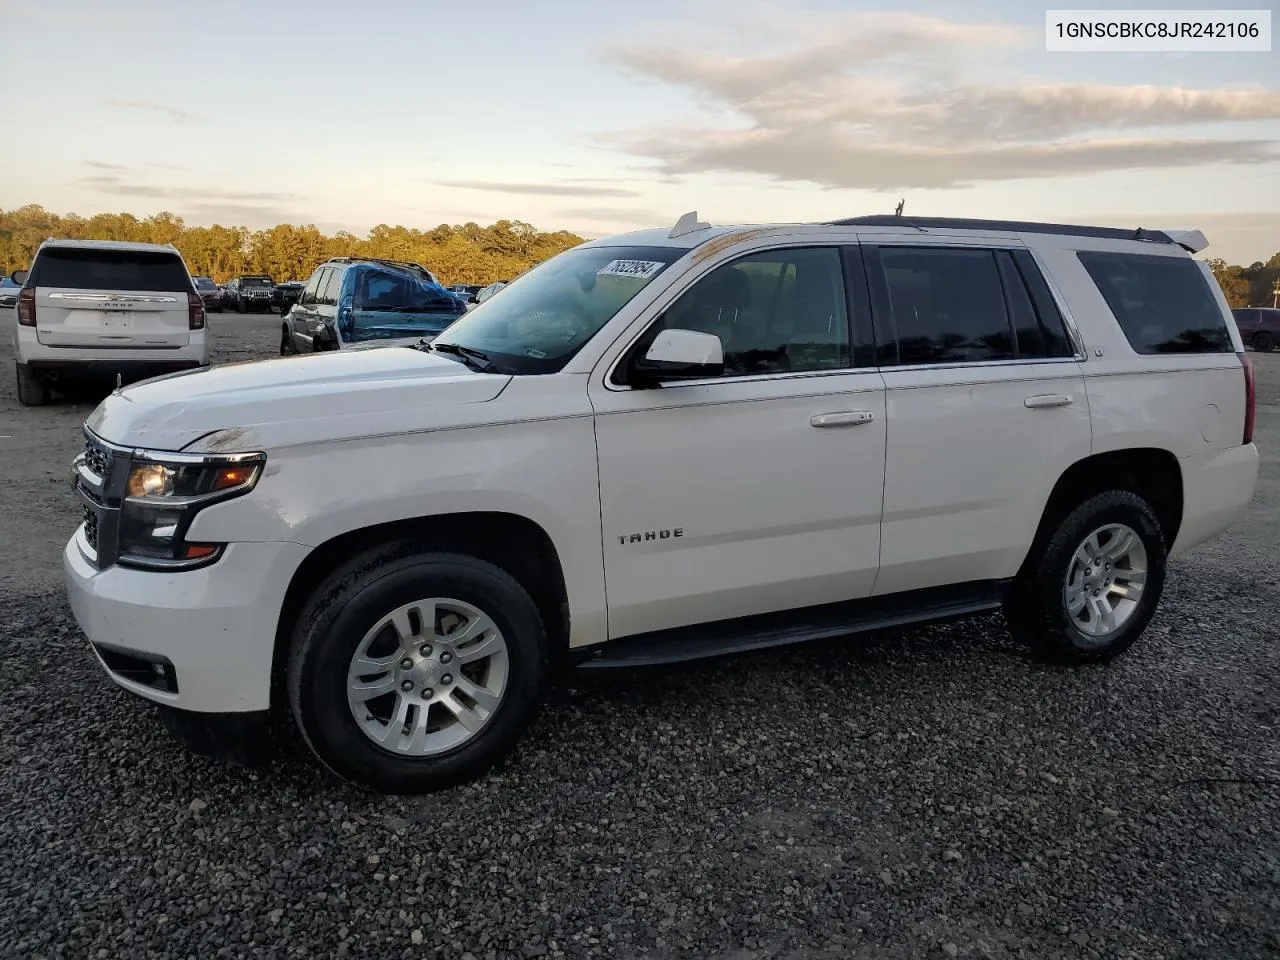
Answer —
640 269
536 354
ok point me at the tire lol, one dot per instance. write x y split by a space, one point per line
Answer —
242 306
1037 609
286 343
337 622
31 391
1264 342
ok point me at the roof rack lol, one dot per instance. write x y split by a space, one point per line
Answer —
404 264
1179 237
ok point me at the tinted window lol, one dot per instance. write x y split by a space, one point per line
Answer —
775 312
1037 325
393 292
948 305
329 288
256 282
1163 304
90 269
313 287
1246 317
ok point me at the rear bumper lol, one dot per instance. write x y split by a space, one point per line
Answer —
60 371
84 363
1216 489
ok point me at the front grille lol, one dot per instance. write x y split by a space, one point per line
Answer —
96 458
91 527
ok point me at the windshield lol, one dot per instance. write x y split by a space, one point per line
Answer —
255 282
204 283
539 323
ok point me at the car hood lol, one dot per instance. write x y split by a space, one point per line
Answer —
271 403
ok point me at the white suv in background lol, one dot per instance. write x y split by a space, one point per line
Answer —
662 446
105 310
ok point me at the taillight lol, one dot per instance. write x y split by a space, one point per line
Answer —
1250 397
27 307
195 312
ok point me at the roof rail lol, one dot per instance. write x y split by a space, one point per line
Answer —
382 260
1192 240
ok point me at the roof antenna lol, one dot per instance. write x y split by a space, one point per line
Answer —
689 223
898 210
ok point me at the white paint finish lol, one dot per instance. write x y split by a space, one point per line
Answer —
216 624
540 466
1217 486
27 347
970 466
296 400
774 513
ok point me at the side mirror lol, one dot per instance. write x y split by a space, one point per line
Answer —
680 355
19 277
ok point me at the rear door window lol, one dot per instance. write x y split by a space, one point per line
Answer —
95 269
329 288
1163 304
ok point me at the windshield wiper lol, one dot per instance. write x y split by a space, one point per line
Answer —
472 359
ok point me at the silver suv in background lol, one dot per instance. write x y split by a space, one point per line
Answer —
101 309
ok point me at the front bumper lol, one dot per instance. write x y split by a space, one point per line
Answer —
211 630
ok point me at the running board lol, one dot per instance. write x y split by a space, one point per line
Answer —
743 634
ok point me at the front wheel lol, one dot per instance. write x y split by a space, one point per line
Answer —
242 306
286 343
1091 590
411 671
1264 342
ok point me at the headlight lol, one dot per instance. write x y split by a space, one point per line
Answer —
162 496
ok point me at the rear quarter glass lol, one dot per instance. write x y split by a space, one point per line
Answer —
89 269
1163 304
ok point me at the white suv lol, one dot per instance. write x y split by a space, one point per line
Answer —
661 446
106 310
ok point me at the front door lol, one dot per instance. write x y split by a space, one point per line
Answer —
760 490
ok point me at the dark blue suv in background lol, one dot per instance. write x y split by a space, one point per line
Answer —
356 302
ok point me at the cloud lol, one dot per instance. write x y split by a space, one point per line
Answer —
835 109
118 186
116 167
180 116
614 215
253 216
552 189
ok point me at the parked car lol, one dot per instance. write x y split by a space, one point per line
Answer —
210 293
467 291
103 309
285 295
350 302
1259 327
657 447
484 293
244 294
8 293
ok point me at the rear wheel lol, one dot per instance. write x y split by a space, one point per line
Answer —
32 392
1092 588
1264 342
411 671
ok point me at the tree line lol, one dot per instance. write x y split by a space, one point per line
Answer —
1250 286
466 253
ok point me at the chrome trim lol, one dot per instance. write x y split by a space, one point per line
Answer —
152 563
750 378
141 455
970 364
111 298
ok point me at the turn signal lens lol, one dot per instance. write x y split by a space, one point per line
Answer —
197 551
228 477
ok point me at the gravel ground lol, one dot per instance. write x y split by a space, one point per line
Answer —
921 793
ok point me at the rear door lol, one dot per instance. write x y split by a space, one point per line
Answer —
105 298
985 403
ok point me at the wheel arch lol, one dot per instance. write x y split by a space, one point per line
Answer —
512 542
1152 473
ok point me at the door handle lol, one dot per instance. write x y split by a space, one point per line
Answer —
845 418
1043 400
